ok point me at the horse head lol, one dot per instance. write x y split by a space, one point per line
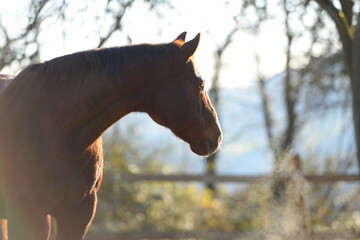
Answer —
181 103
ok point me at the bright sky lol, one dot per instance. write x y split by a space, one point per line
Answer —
142 25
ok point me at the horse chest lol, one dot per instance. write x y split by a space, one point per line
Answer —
33 168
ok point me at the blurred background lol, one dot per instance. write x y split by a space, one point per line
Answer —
284 78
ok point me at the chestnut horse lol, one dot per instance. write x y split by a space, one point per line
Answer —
52 116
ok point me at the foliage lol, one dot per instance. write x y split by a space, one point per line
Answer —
156 206
130 206
335 206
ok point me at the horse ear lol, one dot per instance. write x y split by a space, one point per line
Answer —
189 48
181 37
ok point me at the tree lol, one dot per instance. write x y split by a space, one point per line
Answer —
281 142
349 35
214 94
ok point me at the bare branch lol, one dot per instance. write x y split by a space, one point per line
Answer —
334 14
214 93
347 8
34 18
290 92
117 22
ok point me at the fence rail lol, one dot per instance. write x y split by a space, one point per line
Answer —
208 235
238 235
226 178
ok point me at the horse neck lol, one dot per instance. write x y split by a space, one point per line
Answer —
105 98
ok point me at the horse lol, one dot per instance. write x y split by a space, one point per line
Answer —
52 117
4 81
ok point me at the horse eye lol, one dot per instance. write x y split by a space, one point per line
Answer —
201 87
201 83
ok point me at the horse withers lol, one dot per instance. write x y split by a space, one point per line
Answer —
52 116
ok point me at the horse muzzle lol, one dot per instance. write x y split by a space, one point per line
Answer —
204 147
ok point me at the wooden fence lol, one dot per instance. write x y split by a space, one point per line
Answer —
226 178
219 235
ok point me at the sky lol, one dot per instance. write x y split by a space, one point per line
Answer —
213 19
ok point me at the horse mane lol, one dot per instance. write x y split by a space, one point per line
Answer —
118 62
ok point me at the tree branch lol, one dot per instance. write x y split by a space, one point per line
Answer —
345 38
347 8
290 92
214 95
117 23
355 82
